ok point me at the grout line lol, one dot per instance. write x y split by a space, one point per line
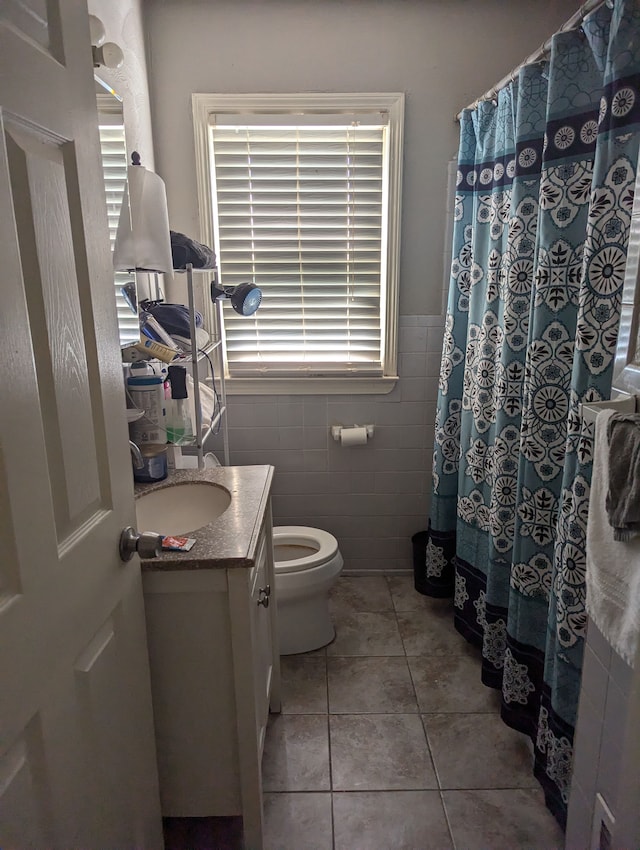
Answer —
446 817
326 674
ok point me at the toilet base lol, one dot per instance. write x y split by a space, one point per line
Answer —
304 624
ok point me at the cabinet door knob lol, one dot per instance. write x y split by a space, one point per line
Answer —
264 600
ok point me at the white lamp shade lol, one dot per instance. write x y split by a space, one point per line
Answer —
142 241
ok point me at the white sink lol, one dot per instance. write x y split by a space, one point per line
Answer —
181 508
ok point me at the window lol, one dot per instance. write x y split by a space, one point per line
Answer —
300 194
113 151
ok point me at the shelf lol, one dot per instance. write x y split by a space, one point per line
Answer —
196 356
202 352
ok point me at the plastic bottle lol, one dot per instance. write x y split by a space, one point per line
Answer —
145 391
179 427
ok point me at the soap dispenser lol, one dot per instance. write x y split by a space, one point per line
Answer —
179 427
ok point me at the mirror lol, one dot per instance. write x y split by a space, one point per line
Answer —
113 150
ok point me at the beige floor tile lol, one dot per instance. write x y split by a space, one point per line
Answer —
452 684
294 821
502 820
304 684
378 752
390 820
478 751
363 633
404 595
296 753
431 632
370 686
364 593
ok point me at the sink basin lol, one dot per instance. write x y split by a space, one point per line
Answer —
182 508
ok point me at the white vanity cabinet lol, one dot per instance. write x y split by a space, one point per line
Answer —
215 674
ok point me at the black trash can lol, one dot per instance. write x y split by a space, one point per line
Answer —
419 542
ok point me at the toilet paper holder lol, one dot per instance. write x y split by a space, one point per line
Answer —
336 430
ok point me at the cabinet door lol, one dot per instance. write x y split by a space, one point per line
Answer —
261 641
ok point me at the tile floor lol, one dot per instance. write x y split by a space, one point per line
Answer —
389 741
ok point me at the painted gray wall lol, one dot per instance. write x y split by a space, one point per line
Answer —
442 54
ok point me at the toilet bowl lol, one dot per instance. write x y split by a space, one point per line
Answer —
307 564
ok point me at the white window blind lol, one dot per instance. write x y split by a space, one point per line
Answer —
300 210
114 166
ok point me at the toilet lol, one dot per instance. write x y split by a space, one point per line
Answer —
307 563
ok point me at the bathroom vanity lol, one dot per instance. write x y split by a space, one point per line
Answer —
212 635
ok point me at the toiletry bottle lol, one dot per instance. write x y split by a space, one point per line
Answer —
179 427
145 392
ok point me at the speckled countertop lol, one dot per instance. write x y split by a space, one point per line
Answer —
231 539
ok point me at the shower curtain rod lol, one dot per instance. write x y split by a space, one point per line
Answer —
572 24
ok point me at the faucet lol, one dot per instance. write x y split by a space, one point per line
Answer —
136 454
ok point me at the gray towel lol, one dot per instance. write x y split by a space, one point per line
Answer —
623 496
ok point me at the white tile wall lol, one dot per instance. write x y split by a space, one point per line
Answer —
598 741
373 497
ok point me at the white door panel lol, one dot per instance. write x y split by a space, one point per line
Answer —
77 755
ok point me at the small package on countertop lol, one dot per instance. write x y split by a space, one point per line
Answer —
177 544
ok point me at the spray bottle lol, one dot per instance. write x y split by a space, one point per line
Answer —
179 427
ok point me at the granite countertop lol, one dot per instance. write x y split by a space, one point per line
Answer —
231 539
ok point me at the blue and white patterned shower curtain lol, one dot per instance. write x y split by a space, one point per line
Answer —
544 197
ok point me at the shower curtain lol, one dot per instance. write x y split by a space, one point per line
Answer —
544 197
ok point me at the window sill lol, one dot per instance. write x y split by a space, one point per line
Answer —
310 386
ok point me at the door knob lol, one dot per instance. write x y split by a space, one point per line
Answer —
147 545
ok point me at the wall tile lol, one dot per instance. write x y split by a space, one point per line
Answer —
401 436
402 460
431 386
316 437
287 461
598 643
407 413
414 389
621 672
412 365
291 438
265 414
400 482
615 713
609 770
315 461
595 679
412 338
348 412
315 412
433 364
394 396
290 413
435 339
587 747
578 835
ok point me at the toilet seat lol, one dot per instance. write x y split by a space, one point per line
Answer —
323 546
307 565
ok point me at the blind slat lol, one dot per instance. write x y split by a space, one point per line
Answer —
114 167
299 212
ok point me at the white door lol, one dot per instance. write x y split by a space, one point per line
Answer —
77 755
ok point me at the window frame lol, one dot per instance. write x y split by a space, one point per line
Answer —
204 106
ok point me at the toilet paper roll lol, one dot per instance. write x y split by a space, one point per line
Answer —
353 436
